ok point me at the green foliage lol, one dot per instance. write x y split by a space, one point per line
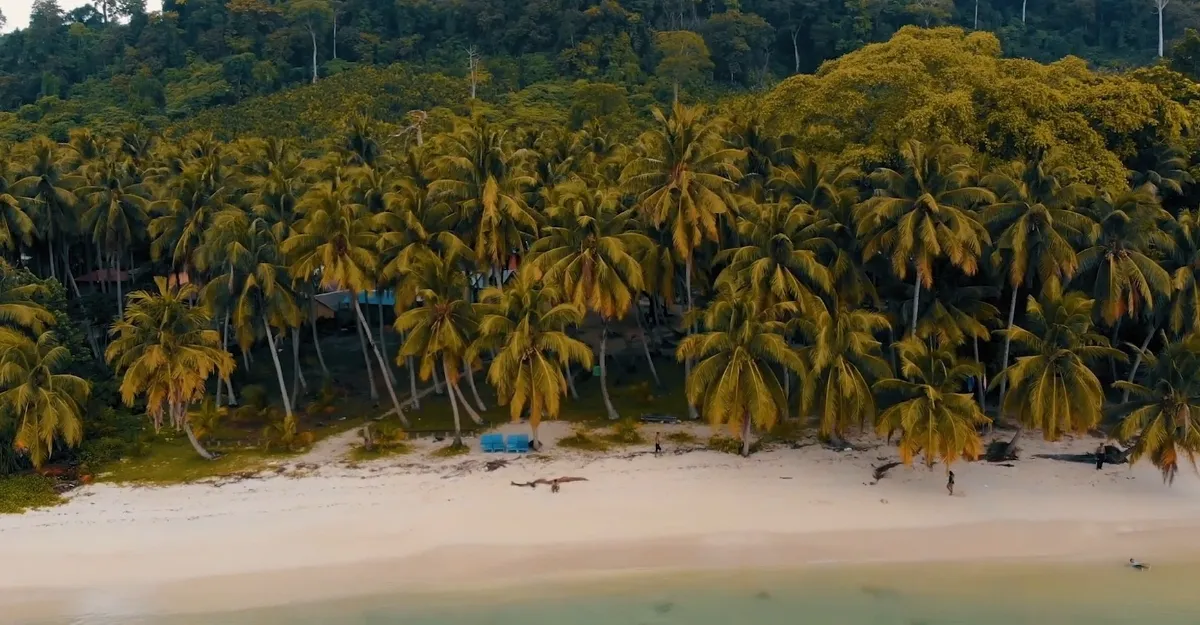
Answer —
452 450
627 431
26 492
582 438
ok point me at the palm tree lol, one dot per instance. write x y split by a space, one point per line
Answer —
166 350
1125 276
441 328
184 214
932 417
681 178
1052 387
1036 228
15 223
47 403
1185 281
735 381
779 260
843 360
117 211
524 325
955 314
51 190
1162 420
334 242
590 254
919 214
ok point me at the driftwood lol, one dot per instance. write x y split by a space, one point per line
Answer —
882 470
554 483
492 465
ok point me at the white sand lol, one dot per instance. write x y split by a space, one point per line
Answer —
416 523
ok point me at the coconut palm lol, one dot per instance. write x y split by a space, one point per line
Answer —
843 361
165 349
440 330
1036 228
184 214
1119 268
334 243
1185 281
681 177
734 381
932 418
18 303
15 224
955 314
590 253
1163 420
46 403
779 260
1052 386
117 210
920 215
51 188
524 325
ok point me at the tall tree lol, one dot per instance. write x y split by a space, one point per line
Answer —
166 350
46 402
843 361
116 215
312 15
51 187
683 57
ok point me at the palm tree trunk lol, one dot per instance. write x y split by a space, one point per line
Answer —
746 435
383 346
916 299
387 383
470 375
1012 314
313 34
571 382
415 400
687 362
67 270
117 276
612 412
297 377
637 310
980 381
287 402
317 338
1112 362
437 383
225 347
366 355
1137 362
466 404
50 253
453 404
204 453
1011 448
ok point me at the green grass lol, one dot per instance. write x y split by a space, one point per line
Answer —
450 451
682 438
26 492
173 461
583 440
362 454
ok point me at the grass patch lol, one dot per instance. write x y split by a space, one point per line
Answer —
584 440
362 454
173 461
26 492
627 431
450 451
682 438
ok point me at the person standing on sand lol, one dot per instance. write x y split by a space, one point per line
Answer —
657 443
950 482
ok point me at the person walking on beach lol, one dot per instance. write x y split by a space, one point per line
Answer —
658 443
950 482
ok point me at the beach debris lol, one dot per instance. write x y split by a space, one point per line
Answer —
881 471
492 465
1138 566
554 483
1001 450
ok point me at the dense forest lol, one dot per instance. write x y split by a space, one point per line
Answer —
921 238
112 62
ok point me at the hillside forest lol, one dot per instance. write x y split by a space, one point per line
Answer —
924 238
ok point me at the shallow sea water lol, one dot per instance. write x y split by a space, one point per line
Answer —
912 594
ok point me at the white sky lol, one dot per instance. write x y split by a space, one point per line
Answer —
17 11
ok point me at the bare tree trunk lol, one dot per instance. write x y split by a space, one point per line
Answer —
687 363
437 384
335 33
67 270
366 355
387 383
1137 362
466 404
612 412
204 453
412 377
981 381
283 392
916 299
637 311
313 33
571 382
1023 3
316 337
1012 314
225 346
453 404
297 376
470 375
796 48
975 26
1160 4
120 296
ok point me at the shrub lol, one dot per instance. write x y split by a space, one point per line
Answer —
583 439
627 431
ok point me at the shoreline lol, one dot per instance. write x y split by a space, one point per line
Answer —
397 526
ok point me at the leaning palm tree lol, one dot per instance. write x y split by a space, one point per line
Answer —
920 215
589 253
524 325
1163 420
682 177
440 330
46 403
165 349
1053 387
335 243
735 381
843 361
931 416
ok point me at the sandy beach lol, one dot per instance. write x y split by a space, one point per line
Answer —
322 528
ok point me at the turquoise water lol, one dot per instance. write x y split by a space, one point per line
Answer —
918 594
